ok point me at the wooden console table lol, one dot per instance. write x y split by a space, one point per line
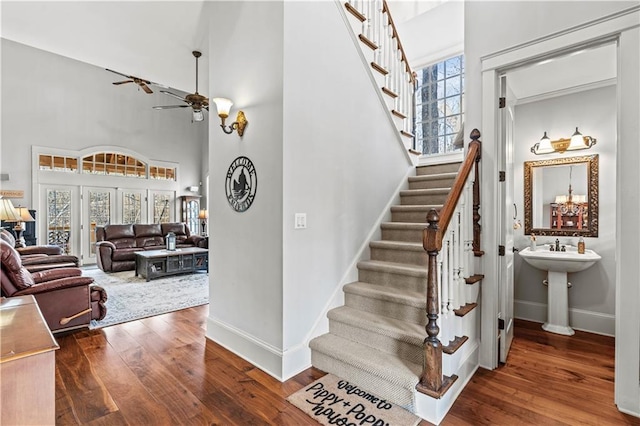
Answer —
27 364
161 263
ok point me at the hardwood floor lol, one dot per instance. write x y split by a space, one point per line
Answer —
163 371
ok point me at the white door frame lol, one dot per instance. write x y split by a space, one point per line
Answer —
625 28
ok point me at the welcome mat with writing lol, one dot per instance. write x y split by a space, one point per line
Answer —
334 401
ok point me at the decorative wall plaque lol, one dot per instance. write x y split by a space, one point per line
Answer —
241 184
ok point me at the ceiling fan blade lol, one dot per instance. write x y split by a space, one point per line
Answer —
146 88
122 82
173 94
170 106
119 73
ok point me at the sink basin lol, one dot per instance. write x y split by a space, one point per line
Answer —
558 264
559 261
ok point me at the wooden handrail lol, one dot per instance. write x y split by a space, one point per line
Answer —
473 156
432 382
385 8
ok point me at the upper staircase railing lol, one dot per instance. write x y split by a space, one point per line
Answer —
379 33
451 239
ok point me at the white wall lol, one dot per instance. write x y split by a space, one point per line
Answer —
593 291
322 145
52 101
433 36
246 66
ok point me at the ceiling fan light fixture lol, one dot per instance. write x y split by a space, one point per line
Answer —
195 100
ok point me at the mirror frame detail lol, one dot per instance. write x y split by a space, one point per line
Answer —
592 181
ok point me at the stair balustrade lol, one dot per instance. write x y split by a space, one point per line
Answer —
379 33
451 240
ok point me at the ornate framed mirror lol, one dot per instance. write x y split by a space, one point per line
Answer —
561 196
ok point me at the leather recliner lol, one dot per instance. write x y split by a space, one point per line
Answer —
40 258
66 299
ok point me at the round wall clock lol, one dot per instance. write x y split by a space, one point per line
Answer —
241 184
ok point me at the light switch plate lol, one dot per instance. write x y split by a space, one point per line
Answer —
300 221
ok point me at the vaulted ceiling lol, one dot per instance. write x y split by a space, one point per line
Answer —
150 40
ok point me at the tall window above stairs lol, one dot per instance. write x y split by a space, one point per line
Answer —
439 106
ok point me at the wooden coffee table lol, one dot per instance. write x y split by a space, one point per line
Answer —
161 263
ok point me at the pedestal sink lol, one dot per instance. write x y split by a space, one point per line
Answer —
558 264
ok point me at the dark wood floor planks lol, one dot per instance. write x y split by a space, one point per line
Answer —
163 371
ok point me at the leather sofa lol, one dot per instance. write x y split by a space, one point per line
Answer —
66 299
40 258
116 245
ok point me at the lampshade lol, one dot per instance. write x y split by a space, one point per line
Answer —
577 141
8 213
198 115
544 146
204 214
25 216
223 105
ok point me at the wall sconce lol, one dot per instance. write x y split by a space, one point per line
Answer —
577 141
224 106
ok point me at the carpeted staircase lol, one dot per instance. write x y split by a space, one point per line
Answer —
375 340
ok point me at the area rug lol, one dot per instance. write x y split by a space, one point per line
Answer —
334 401
131 298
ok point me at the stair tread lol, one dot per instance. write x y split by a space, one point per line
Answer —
435 176
396 245
399 268
405 297
428 191
416 207
400 330
403 225
392 369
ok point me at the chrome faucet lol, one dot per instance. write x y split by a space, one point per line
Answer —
557 244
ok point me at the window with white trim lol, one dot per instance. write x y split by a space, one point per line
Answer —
439 106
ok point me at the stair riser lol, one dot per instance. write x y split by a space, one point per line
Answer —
386 308
410 217
409 257
364 379
410 352
404 235
437 168
431 184
422 200
394 280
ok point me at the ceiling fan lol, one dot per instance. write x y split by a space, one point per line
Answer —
194 100
133 79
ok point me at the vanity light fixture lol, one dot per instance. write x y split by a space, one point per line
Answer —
224 106
576 142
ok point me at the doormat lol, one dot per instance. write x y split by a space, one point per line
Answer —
331 400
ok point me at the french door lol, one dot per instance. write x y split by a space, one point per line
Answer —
98 207
61 219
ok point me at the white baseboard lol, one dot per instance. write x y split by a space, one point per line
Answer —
593 322
261 354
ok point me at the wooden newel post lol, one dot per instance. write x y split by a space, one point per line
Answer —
431 378
475 140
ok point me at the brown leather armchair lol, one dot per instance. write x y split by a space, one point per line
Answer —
40 258
66 298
